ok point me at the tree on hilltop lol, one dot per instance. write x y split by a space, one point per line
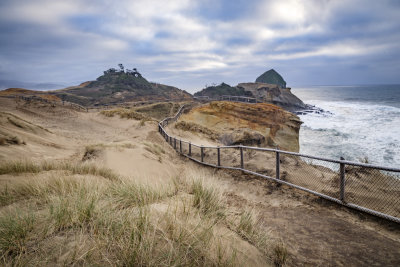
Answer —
121 67
111 70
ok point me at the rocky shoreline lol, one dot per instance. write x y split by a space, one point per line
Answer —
309 109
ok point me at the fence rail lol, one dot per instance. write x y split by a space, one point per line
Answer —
234 98
364 187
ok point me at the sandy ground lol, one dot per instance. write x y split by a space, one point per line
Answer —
316 232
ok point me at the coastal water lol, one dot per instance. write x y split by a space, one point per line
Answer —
364 122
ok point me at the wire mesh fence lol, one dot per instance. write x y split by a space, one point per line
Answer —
373 188
317 175
369 188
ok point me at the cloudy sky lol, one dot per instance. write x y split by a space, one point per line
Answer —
192 43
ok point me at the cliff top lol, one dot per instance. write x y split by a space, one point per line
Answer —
222 89
248 124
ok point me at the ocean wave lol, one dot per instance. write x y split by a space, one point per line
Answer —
354 130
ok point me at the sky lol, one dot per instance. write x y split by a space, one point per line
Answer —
190 44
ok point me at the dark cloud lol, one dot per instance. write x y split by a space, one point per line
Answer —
190 43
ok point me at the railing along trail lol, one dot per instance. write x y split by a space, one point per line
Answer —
364 187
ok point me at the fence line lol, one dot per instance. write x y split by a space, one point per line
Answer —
234 98
368 188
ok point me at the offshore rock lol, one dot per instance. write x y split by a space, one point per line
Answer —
233 123
272 77
272 93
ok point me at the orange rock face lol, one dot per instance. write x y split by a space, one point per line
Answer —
248 124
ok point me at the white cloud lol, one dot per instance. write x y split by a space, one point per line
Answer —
333 50
45 12
113 44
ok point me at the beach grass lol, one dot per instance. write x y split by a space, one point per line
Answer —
58 213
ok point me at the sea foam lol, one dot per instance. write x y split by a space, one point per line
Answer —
354 130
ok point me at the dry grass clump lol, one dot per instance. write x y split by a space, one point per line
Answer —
251 229
96 150
159 110
155 149
197 128
207 199
92 152
76 217
280 254
142 122
125 113
14 230
18 167
128 194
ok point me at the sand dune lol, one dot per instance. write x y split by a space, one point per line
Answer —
250 221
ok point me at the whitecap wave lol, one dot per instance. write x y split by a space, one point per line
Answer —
353 131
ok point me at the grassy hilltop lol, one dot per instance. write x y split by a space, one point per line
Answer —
117 86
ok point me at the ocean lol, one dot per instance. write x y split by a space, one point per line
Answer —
362 122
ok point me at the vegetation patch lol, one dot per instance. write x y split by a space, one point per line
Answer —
159 111
197 128
18 167
129 194
207 199
124 113
79 219
280 254
92 152
155 149
251 229
14 229
223 89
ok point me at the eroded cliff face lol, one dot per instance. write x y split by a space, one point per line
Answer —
247 124
274 94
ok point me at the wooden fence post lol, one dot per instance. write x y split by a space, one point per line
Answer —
241 157
190 149
278 161
342 180
202 153
219 156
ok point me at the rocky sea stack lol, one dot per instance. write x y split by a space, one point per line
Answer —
272 77
269 87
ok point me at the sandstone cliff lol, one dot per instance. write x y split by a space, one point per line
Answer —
248 124
272 93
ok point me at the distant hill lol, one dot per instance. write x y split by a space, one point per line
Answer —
116 86
4 84
222 89
16 92
271 77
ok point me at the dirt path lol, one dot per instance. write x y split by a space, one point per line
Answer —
316 232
